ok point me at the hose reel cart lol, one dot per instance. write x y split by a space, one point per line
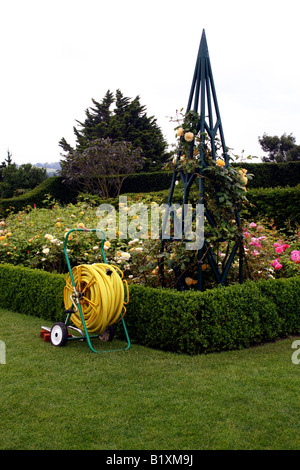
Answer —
94 300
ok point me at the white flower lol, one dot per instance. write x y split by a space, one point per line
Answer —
95 247
125 256
132 242
48 236
46 251
139 248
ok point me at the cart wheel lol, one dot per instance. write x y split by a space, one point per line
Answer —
108 334
59 334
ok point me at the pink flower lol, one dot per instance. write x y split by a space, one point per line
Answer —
278 266
285 246
255 242
295 256
275 261
279 249
252 225
276 244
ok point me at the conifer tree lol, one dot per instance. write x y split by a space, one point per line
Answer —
127 121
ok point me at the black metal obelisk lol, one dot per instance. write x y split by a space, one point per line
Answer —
203 100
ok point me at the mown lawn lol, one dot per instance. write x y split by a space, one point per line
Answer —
142 399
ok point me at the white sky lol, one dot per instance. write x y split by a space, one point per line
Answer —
57 55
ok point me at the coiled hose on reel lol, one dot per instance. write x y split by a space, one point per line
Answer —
102 296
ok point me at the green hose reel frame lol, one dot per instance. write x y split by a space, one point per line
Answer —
86 335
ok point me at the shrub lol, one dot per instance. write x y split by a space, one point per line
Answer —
265 175
52 186
224 318
32 291
286 301
270 175
279 204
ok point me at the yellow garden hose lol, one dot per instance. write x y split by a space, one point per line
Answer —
103 296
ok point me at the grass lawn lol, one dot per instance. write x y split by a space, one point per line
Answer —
142 399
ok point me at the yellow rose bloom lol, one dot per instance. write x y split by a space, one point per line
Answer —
189 281
155 271
180 132
220 162
189 136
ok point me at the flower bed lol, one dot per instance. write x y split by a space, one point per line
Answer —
35 239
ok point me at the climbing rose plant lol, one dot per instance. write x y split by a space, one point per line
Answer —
224 185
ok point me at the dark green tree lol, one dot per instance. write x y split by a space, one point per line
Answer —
127 121
279 149
16 180
7 161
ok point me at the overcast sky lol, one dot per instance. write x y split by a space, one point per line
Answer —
57 55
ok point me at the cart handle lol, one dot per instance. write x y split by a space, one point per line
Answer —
66 242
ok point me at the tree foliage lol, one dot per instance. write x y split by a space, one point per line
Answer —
7 161
18 179
102 166
127 121
280 149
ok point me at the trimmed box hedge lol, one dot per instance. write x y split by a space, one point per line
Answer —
37 196
220 319
280 204
32 291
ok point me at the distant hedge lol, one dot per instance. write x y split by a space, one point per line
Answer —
36 197
280 204
271 175
266 175
220 319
